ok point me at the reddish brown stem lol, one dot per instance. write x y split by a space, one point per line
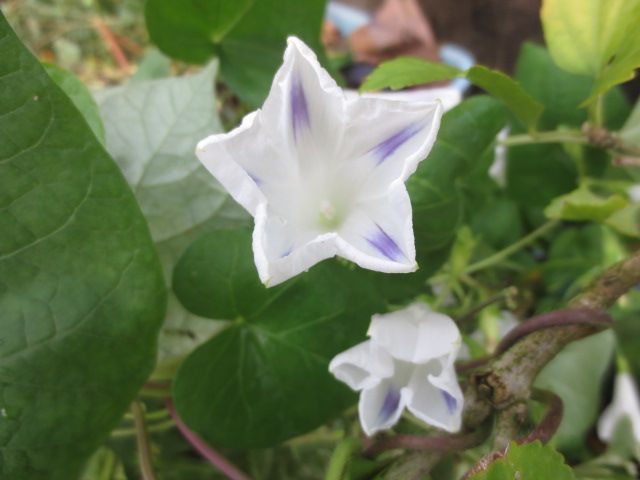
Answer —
212 456
112 44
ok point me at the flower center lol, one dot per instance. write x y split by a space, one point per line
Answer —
329 217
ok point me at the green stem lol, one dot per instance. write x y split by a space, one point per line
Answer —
511 249
142 442
340 459
564 136
155 428
596 116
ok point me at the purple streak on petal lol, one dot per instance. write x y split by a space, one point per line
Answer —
382 242
390 405
385 149
451 402
286 252
299 108
255 179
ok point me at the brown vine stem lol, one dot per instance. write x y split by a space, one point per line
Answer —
507 379
430 443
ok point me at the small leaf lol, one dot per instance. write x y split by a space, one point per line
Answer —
527 109
405 72
265 378
626 221
583 204
79 95
532 461
81 289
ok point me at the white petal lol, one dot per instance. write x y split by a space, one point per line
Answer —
378 233
223 154
305 105
416 334
436 399
626 403
362 366
397 137
380 407
281 252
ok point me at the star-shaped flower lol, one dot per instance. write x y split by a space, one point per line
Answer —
407 362
324 175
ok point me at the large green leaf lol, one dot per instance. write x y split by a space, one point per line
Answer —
79 95
464 148
631 130
598 38
407 72
577 376
532 461
250 43
81 290
152 128
264 379
191 29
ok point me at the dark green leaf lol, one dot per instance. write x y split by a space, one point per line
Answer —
264 379
152 129
251 45
501 86
81 290
191 29
532 461
466 137
80 96
407 72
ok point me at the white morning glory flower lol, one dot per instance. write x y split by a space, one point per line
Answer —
407 362
324 175
625 404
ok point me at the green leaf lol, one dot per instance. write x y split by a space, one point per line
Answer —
577 374
626 221
583 204
536 174
405 72
597 38
153 65
265 378
152 128
505 88
252 45
631 130
465 142
191 29
410 71
561 92
81 290
532 461
622 67
576 256
584 35
79 95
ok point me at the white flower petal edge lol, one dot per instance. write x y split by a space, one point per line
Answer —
322 174
625 404
407 362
